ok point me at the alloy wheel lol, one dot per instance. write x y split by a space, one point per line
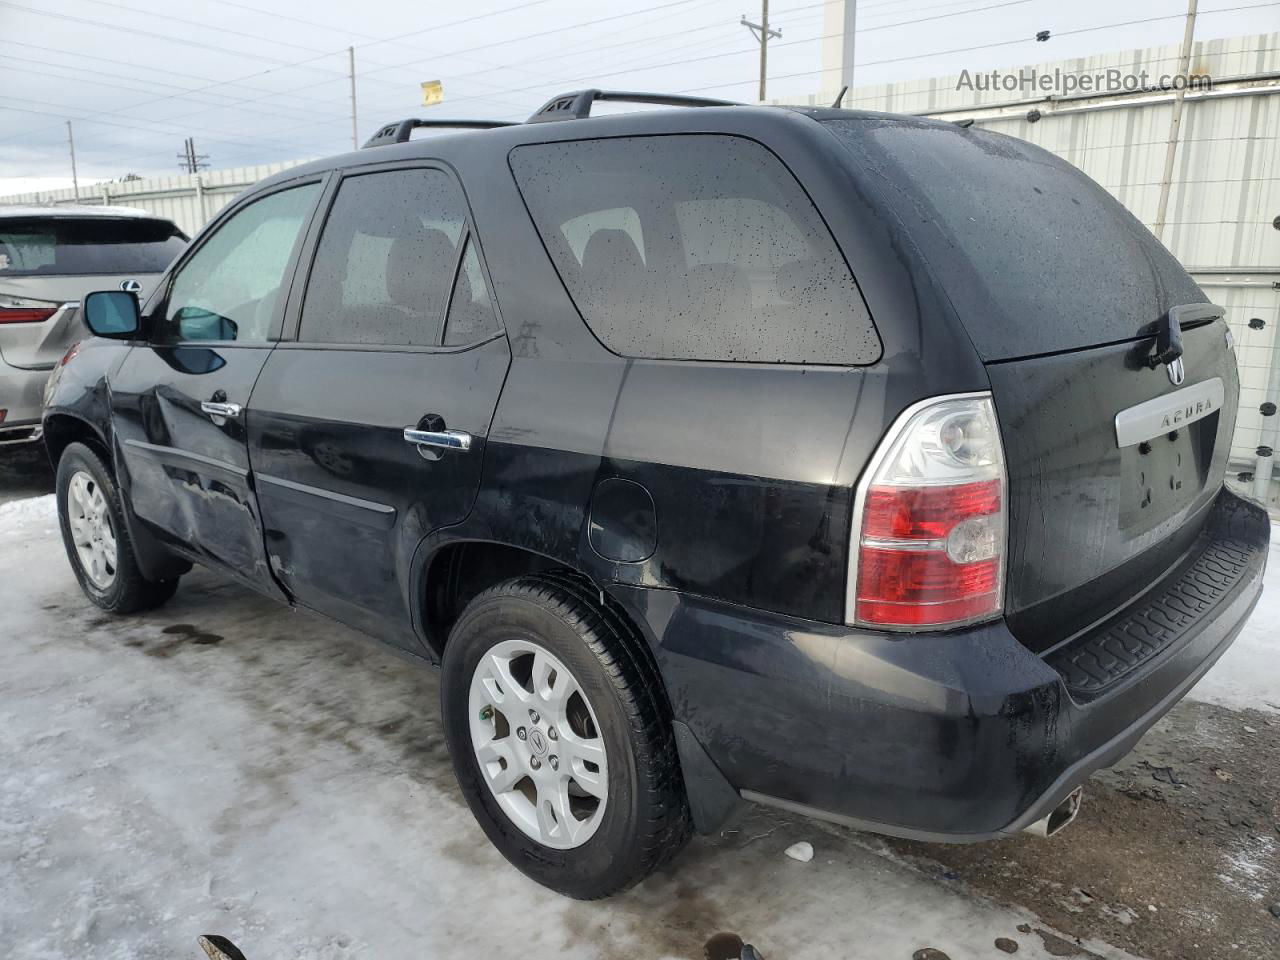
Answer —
91 529
537 744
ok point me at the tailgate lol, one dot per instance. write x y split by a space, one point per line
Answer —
1099 507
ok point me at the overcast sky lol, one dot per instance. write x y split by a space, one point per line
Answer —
259 81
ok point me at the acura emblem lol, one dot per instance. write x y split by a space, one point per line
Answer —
130 286
1177 372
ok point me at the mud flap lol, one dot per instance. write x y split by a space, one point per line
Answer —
713 801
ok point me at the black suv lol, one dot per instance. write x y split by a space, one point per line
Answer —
866 466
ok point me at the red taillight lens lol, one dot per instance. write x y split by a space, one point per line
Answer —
930 538
25 310
926 513
25 315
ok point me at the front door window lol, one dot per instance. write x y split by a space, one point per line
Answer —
232 285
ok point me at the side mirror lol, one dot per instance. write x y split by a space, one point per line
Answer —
196 323
112 313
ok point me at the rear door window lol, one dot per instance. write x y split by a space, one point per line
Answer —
471 315
386 259
84 246
699 247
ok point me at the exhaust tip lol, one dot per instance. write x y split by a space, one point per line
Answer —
1059 816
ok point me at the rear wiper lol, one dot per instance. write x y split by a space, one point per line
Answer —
1169 336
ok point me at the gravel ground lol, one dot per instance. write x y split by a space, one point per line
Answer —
225 765
1175 854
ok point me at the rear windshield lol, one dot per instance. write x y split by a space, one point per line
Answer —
699 247
68 247
1034 255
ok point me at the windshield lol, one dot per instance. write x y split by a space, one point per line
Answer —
68 247
1034 255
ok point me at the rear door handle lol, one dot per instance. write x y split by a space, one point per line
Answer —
215 409
448 439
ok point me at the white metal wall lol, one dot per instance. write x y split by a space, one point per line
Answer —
189 200
1225 192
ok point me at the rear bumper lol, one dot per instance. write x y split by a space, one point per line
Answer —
22 395
956 737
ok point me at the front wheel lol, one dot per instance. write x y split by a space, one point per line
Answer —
561 739
96 539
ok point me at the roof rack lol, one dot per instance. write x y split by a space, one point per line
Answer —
399 132
577 105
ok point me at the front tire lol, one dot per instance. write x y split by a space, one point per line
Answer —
96 538
561 737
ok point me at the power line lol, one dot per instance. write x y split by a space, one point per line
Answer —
444 26
210 81
7 105
985 46
789 43
296 113
528 3
294 144
138 32
203 25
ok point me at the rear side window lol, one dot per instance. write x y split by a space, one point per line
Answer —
700 247
385 262
68 247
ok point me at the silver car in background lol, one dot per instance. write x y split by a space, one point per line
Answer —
49 258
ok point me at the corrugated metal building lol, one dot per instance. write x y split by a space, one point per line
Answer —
190 200
1223 218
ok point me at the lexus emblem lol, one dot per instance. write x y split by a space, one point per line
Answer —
130 286
1177 372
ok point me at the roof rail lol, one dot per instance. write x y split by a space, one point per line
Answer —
577 105
399 132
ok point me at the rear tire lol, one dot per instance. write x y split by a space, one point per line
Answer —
96 537
543 631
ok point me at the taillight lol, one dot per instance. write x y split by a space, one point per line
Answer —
928 544
25 310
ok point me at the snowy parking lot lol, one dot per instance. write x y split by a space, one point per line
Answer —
225 765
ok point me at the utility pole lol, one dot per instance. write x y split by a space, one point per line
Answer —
75 179
1175 121
847 38
189 160
351 63
762 33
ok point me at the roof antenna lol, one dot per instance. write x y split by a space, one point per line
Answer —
840 96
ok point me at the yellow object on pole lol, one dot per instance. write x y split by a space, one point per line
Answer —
432 92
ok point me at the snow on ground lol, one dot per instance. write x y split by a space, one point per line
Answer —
24 516
224 765
1248 675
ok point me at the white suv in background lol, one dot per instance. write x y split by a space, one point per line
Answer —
49 258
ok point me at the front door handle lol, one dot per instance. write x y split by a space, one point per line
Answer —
215 409
448 439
